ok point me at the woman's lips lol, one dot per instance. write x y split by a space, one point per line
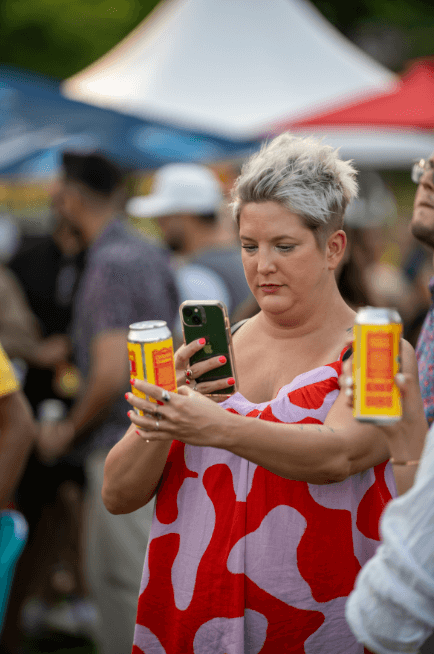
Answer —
269 288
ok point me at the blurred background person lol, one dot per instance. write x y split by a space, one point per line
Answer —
366 277
125 280
17 434
188 202
422 227
38 288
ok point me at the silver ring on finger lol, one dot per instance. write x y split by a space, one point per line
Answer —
193 388
165 395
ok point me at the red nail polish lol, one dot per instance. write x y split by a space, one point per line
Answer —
231 381
160 403
187 381
188 373
202 341
137 432
126 396
129 413
132 382
222 359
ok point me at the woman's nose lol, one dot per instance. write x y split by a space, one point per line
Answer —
266 263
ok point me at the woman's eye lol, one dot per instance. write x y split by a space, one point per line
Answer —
249 248
285 248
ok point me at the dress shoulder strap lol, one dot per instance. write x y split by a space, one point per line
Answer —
237 325
346 352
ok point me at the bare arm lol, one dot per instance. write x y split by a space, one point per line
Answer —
17 435
20 333
343 446
317 454
19 327
108 377
132 471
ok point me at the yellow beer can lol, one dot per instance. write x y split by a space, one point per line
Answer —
150 351
377 337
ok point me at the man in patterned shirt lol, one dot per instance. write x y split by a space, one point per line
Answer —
17 429
125 279
422 227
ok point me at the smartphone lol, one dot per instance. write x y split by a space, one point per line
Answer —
209 319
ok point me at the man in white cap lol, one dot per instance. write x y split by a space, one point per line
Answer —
186 199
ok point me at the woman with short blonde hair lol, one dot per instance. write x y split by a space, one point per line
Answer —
268 503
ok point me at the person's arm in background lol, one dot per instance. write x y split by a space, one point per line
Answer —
109 366
19 328
17 434
108 375
17 430
20 333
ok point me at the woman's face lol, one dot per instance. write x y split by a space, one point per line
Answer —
285 269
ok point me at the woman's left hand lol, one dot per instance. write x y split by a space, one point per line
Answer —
187 416
188 374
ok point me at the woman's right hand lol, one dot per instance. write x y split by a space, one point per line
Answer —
182 366
413 417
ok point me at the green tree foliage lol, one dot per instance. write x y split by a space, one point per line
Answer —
412 19
61 37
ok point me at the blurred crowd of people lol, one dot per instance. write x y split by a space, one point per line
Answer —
67 300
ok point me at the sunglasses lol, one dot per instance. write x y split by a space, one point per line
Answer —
420 168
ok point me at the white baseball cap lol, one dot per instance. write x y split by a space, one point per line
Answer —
179 188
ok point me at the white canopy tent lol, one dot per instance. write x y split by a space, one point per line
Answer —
230 67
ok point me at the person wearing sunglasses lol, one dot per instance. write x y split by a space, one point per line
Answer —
422 227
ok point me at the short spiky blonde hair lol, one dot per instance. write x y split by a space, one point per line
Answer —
303 175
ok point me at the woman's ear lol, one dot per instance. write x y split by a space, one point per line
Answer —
335 249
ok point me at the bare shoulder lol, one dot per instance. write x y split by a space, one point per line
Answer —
245 332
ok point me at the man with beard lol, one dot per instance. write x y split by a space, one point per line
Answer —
186 199
422 227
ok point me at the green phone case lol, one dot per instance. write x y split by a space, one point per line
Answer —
213 328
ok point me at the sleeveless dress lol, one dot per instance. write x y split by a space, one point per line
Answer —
242 561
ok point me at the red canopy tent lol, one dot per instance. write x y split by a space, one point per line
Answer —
409 105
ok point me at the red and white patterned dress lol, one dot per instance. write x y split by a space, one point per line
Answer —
241 561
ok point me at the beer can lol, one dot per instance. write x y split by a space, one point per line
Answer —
150 351
377 336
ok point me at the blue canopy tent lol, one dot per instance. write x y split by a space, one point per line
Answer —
37 123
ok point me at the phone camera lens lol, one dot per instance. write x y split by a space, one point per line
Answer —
196 320
188 312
